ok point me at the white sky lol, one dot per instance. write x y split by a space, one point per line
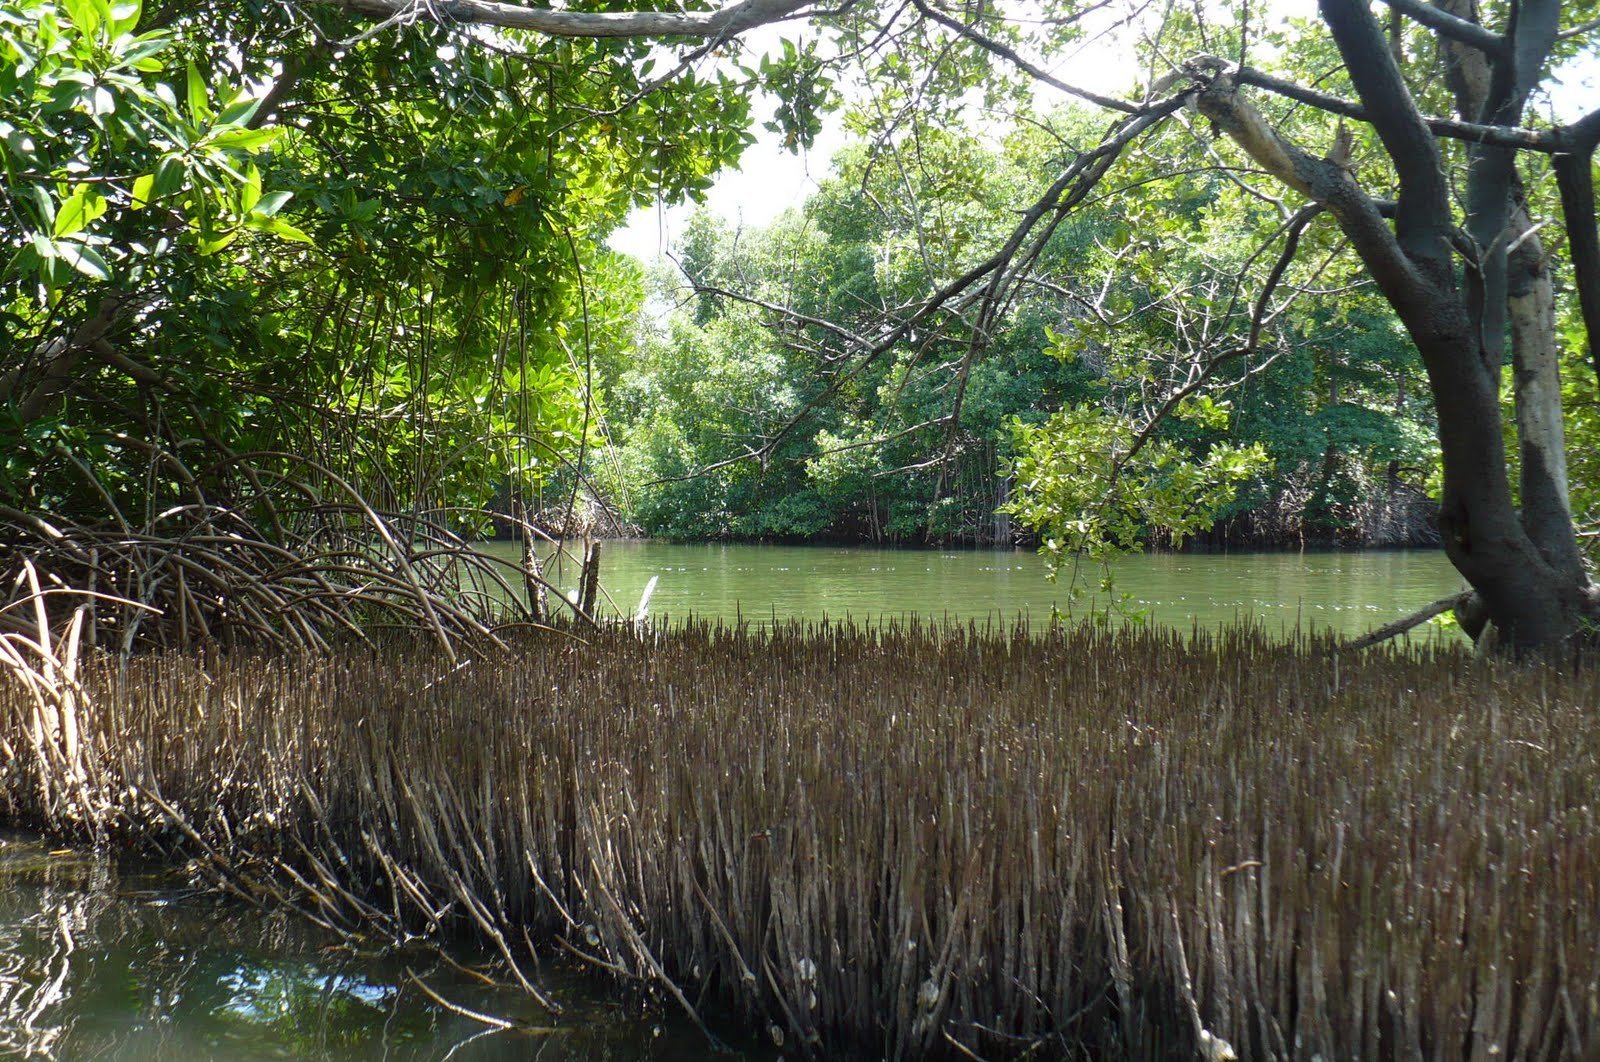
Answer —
770 180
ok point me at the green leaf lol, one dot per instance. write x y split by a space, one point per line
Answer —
86 260
102 10
142 55
143 189
169 178
42 201
271 203
125 16
237 139
240 111
278 227
84 15
250 191
211 245
199 107
79 211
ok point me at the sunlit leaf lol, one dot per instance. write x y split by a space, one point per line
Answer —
78 211
85 260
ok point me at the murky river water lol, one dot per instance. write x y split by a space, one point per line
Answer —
1349 593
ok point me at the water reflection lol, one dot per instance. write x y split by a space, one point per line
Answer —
100 964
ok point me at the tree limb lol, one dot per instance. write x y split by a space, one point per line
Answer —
1423 211
1405 623
1548 141
1575 180
1579 30
1449 25
62 357
1080 176
1294 229
1360 216
1034 71
724 22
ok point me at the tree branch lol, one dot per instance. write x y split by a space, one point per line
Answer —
1422 215
62 357
724 22
1325 181
1451 26
1579 30
1405 623
1068 190
994 47
1575 180
1473 132
1294 230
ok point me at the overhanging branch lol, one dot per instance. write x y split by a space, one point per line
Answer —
724 22
1449 25
994 47
1473 132
1322 180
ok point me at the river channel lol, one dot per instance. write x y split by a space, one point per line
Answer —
98 961
1346 593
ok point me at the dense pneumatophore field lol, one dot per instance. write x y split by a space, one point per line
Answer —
907 842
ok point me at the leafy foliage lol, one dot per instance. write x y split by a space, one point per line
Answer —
923 442
1089 487
238 230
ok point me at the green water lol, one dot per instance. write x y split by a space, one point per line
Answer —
101 964
1349 593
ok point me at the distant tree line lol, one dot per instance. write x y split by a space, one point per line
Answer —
741 415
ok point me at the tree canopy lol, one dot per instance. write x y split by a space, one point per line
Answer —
275 268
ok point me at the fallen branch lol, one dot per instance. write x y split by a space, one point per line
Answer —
1405 623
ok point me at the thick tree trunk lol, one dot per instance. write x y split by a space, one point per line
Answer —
1531 602
1530 585
1536 377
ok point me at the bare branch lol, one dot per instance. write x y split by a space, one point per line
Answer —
1405 623
1069 190
1294 229
1034 71
1449 25
1547 141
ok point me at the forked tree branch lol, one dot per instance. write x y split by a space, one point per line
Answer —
1323 180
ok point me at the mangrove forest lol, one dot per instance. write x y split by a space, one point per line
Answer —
1104 570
